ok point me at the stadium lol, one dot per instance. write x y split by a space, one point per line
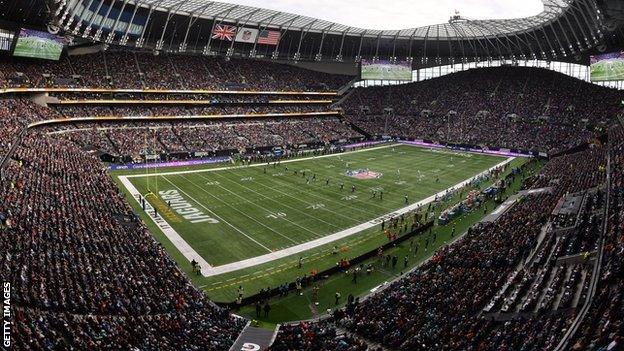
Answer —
296 176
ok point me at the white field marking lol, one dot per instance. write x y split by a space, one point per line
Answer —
280 203
353 207
276 255
214 214
169 232
257 164
299 190
313 194
234 208
270 199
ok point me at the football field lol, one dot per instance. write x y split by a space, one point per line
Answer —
237 217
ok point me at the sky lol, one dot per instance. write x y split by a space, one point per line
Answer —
398 14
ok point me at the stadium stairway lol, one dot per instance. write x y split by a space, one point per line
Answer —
254 338
4 158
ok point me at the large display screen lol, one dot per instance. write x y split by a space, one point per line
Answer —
6 39
386 70
607 67
36 44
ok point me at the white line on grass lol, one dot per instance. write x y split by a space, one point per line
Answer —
254 261
234 208
280 203
293 197
257 164
169 232
214 214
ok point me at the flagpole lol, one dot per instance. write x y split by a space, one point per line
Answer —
260 30
214 21
238 28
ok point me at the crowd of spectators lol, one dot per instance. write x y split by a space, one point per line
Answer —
15 115
440 304
85 272
602 328
436 305
321 336
128 139
190 95
126 69
182 110
512 107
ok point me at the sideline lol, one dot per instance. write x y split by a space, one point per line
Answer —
259 164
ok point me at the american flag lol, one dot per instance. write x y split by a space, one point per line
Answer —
224 32
268 37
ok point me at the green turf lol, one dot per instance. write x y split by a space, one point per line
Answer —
294 307
245 204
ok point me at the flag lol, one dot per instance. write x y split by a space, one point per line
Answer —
268 37
223 32
247 35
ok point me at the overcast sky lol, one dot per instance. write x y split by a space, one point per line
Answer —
399 14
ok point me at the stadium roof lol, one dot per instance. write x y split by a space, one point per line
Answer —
456 28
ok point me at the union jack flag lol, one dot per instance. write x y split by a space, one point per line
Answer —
223 32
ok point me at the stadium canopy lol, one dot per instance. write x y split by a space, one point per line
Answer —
564 30
456 28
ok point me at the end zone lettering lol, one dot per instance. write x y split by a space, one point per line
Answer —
184 208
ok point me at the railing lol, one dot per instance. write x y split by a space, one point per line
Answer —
162 91
593 285
182 118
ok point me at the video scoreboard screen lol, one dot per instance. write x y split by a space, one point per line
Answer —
37 44
607 67
386 70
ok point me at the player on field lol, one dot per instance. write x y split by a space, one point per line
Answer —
315 292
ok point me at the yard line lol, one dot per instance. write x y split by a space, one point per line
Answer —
273 200
383 208
307 203
317 196
237 210
214 214
366 188
280 203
